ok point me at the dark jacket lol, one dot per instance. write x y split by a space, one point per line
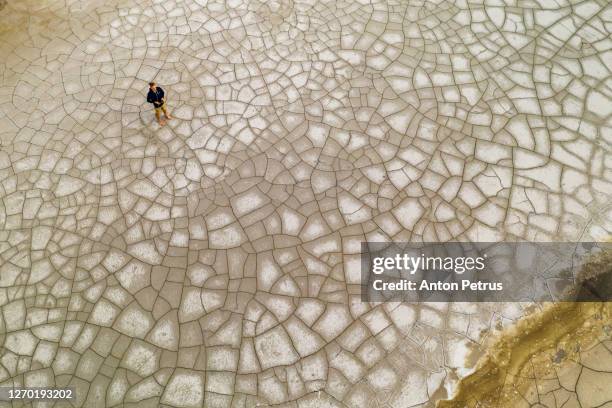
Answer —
156 97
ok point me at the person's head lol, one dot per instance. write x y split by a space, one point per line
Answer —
152 86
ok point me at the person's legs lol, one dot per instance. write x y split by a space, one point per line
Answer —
158 116
166 114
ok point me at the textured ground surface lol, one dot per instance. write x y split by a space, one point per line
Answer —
214 261
558 357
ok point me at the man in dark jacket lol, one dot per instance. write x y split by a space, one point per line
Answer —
157 97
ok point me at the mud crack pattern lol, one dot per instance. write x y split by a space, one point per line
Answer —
214 261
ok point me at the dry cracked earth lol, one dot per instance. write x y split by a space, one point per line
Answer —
215 261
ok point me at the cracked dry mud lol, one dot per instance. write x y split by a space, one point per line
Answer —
214 262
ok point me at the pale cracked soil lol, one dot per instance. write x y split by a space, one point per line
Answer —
214 262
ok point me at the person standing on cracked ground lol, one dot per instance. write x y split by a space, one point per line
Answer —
157 97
